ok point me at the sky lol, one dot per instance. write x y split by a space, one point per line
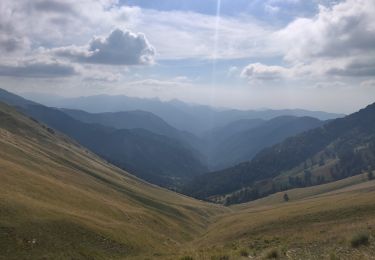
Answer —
246 54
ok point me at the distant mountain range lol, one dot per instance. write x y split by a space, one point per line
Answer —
340 148
148 146
196 119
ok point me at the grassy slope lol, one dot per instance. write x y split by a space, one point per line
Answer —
58 200
317 223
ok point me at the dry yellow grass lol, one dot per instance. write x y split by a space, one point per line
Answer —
317 224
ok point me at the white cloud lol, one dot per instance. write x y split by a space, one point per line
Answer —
345 29
339 41
259 71
118 48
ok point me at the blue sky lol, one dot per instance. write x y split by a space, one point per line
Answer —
256 8
270 53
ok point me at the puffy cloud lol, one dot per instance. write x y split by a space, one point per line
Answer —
258 71
118 48
37 69
347 28
338 41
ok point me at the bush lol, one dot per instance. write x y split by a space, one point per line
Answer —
244 253
370 175
360 239
220 257
187 258
272 254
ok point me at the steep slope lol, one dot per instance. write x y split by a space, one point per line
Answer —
340 148
155 158
243 145
60 201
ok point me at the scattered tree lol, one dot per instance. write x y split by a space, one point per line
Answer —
370 175
286 197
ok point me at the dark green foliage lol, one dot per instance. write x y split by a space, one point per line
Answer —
360 239
50 130
227 146
351 140
244 253
320 180
286 197
307 177
272 254
187 258
220 257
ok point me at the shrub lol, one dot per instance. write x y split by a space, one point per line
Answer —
360 239
50 130
370 175
272 254
244 253
187 258
220 257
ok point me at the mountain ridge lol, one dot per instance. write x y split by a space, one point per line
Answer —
196 119
347 143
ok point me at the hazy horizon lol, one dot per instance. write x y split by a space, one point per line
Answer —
42 97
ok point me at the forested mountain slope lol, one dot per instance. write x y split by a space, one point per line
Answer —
341 148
